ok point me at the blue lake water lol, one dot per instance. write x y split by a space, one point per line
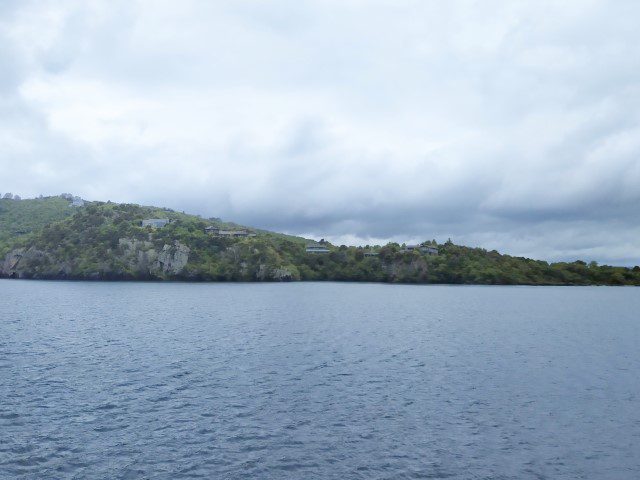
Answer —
318 380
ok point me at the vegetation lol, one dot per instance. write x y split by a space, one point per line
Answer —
21 217
46 238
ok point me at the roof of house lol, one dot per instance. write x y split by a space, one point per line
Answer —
317 247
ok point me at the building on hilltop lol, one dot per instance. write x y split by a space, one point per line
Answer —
317 249
155 222
218 232
427 249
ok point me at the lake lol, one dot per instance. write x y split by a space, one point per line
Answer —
318 380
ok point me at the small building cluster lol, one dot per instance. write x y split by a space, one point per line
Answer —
218 232
155 222
424 248
427 249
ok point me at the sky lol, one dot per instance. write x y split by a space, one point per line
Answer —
510 125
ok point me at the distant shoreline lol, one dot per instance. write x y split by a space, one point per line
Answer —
61 238
274 282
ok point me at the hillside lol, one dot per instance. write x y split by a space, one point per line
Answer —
21 217
48 239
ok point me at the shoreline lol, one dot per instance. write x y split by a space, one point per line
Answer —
271 282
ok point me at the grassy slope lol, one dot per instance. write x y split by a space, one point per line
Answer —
21 217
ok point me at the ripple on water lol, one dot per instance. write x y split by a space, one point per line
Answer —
333 381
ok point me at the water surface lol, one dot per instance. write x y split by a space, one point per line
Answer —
318 380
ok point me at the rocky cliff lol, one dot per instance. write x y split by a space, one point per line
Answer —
140 257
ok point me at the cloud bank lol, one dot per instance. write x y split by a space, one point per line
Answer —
509 125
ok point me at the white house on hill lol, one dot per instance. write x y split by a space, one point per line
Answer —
317 249
428 249
229 233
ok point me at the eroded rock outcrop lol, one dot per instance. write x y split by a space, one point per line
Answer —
173 258
142 257
416 269
139 255
279 274
30 263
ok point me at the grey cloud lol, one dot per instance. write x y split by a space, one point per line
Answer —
507 125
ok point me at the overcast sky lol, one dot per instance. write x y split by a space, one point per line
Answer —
512 125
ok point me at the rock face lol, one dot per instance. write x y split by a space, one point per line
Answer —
416 269
173 258
12 261
139 258
280 274
32 263
142 257
138 255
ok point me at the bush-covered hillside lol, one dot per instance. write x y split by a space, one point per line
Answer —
20 217
107 241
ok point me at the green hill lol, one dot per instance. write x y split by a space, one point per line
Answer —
21 217
47 238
